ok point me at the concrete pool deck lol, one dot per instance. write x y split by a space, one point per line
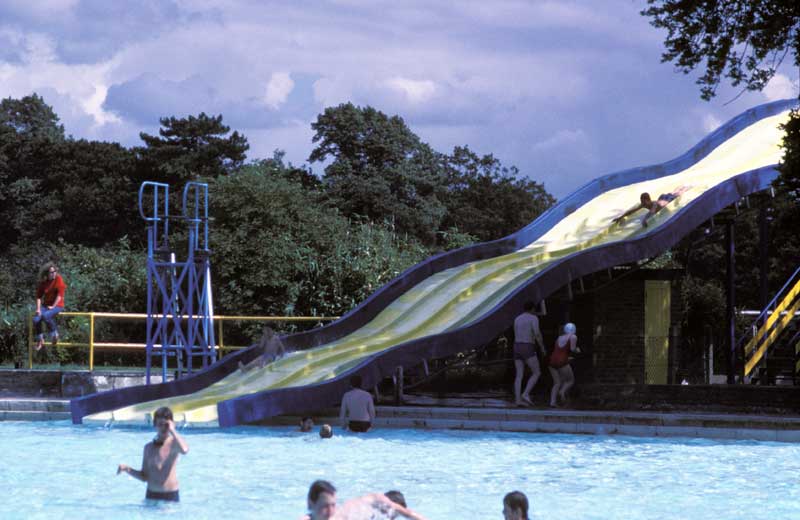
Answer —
643 424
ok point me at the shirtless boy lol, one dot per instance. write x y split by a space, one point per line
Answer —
271 349
160 459
652 207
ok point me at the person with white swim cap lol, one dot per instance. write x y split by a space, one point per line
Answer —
563 378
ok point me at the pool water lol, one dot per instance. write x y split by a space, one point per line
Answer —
57 470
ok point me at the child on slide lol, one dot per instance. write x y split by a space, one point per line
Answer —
652 207
270 347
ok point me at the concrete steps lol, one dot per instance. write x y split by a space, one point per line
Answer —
32 409
644 424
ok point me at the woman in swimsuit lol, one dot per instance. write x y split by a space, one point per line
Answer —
563 378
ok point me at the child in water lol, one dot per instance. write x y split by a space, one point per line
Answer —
160 459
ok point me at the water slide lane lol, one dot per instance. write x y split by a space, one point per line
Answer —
455 297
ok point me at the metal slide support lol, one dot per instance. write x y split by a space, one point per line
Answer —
731 302
179 308
763 255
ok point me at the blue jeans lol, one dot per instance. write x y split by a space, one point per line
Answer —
49 317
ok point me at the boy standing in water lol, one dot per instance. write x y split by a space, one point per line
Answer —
160 459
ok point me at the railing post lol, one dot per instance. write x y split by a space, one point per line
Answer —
30 342
91 341
221 341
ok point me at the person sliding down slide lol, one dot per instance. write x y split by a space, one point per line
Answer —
652 207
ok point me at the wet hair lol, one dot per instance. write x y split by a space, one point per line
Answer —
528 306
396 497
325 431
644 196
163 413
570 328
46 269
517 501
306 418
319 487
355 381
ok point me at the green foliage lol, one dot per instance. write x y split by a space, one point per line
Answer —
110 279
744 41
486 199
279 251
193 147
380 170
31 117
788 182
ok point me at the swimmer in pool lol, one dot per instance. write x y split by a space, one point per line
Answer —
515 506
160 459
652 207
322 505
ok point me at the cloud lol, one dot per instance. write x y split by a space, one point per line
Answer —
416 91
710 123
565 90
278 89
780 87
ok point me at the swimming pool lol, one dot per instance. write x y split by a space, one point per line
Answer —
57 470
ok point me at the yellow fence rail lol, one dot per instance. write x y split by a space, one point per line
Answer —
97 345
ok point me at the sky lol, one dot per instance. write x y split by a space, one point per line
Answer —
564 90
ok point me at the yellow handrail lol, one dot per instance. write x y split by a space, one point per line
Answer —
787 300
92 344
758 354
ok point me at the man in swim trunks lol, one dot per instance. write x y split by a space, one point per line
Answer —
358 411
160 459
645 202
526 336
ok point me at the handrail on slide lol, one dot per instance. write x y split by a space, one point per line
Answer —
775 317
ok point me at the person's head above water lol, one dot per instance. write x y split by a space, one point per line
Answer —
161 419
515 506
396 497
645 199
306 423
355 381
325 431
321 500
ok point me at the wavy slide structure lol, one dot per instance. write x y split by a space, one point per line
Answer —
458 300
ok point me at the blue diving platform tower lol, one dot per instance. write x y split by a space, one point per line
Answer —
180 311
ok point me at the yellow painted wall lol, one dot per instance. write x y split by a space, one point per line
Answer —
656 331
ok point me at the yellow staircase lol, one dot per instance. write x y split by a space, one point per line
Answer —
773 321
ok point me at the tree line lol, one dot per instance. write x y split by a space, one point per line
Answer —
285 239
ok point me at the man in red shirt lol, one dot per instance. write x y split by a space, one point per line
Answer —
49 302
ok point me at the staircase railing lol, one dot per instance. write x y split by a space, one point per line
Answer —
772 321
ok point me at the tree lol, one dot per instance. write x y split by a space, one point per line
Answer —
380 169
277 250
31 117
193 147
742 40
488 200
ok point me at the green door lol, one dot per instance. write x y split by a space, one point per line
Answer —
656 331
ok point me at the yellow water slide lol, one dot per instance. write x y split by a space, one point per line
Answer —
455 297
